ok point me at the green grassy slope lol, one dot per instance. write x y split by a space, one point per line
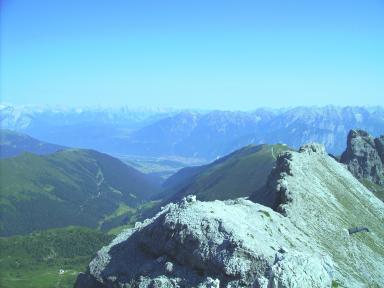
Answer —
35 260
69 187
14 143
377 190
238 174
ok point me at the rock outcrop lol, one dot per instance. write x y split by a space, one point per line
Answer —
239 243
364 156
234 243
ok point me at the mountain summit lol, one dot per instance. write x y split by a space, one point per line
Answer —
303 242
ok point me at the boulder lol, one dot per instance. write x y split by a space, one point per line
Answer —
209 244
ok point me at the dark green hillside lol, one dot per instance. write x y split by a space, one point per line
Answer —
35 260
235 175
69 187
14 143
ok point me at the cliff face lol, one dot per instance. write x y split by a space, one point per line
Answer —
364 156
239 243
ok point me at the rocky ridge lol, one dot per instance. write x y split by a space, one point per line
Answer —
238 243
321 198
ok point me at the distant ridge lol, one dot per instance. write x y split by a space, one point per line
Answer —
14 143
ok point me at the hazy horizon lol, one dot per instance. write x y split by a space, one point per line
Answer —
160 108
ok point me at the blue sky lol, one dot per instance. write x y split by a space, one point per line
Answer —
192 54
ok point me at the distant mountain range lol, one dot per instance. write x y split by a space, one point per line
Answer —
218 133
206 135
68 187
93 128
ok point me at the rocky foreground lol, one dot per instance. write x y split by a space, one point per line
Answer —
304 242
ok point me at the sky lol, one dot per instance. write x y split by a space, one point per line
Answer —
192 54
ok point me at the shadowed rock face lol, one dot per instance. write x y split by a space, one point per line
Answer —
364 156
239 243
379 143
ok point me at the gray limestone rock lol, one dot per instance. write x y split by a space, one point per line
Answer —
296 270
204 244
364 156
